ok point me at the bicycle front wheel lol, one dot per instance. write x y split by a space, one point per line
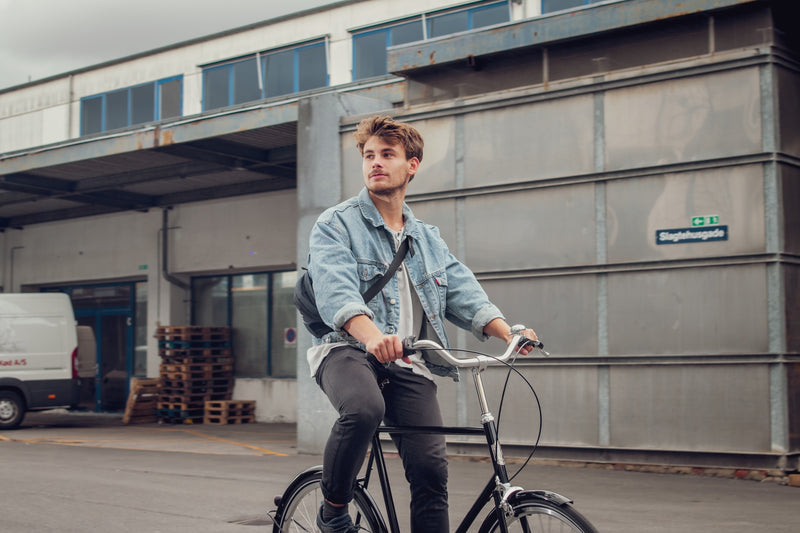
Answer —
533 514
301 505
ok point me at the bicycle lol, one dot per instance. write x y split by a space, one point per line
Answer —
513 508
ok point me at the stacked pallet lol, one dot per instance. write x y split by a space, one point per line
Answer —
142 401
196 367
230 412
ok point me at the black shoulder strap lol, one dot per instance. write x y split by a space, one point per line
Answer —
378 285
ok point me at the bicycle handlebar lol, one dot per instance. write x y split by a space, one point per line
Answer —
411 345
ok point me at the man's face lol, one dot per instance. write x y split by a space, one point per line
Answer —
385 167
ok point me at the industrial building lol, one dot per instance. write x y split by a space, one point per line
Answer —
621 175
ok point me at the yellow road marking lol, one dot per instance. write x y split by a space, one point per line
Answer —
235 443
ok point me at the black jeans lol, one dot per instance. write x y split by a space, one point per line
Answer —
351 381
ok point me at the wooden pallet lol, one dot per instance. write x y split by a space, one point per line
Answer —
178 344
190 332
230 412
198 397
196 371
142 401
186 356
184 387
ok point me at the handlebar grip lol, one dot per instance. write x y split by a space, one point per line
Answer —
525 341
408 342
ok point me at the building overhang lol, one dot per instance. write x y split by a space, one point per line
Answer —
244 150
545 30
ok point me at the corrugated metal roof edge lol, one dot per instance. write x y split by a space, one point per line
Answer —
592 19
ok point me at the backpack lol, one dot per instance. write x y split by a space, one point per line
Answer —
305 301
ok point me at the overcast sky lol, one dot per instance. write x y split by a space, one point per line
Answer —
41 38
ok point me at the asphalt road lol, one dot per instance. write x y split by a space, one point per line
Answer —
88 476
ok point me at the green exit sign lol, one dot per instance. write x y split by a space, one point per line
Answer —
709 220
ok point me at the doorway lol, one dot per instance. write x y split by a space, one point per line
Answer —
116 314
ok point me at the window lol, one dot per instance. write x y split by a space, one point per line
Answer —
369 46
265 75
131 106
260 312
549 6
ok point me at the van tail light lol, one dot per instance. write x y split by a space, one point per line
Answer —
75 363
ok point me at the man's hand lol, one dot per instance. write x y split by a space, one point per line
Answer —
525 349
499 328
385 348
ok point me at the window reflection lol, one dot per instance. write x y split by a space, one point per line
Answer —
258 307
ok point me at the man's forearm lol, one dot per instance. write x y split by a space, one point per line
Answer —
362 328
498 328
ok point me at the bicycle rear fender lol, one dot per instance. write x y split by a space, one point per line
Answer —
298 479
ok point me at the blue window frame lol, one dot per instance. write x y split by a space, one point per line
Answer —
133 105
265 75
369 46
549 6
259 310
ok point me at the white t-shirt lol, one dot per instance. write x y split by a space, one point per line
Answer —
410 323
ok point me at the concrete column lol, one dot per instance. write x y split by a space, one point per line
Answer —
319 186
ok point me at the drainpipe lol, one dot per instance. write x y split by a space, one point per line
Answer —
11 268
165 251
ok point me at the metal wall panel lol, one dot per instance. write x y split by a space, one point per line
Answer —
791 281
638 208
561 309
793 401
712 310
685 119
529 142
442 214
568 397
535 228
789 111
695 407
790 200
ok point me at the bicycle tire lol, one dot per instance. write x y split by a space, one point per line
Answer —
299 507
533 513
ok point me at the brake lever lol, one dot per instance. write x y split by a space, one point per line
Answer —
537 345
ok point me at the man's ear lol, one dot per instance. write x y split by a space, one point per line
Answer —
413 166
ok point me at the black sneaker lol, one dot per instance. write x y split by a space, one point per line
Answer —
340 524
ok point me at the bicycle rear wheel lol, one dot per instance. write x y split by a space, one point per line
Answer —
536 515
299 508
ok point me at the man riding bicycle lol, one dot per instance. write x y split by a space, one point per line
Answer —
360 365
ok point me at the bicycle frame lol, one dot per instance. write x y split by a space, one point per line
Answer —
497 486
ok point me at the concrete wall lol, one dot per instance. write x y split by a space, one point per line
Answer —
233 235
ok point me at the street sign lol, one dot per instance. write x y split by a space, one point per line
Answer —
694 234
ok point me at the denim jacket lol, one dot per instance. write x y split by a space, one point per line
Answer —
351 247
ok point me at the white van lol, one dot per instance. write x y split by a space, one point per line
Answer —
38 355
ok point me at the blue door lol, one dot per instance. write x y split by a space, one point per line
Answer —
110 310
113 329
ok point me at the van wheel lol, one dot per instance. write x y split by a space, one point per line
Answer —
11 409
